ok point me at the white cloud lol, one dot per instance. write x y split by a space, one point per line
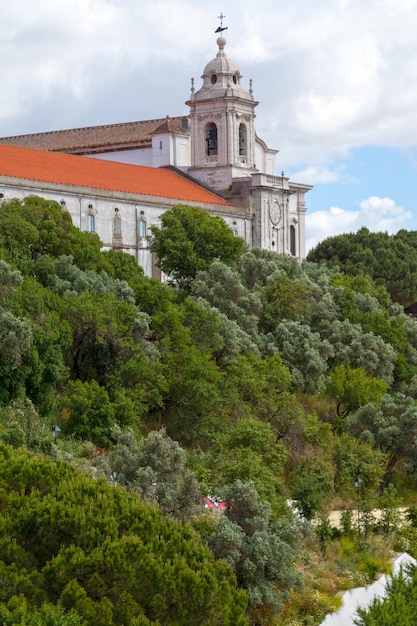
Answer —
346 76
377 214
317 175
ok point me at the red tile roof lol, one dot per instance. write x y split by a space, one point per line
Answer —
76 171
98 138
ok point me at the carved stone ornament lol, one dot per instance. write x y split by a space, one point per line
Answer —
243 116
275 212
203 116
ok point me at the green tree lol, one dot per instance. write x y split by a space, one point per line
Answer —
15 340
189 239
352 388
73 546
226 337
285 298
44 364
364 285
87 412
354 458
21 425
205 325
257 387
391 260
362 303
67 277
248 451
221 287
260 551
33 338
33 227
137 387
155 467
258 267
105 330
391 517
18 611
391 426
152 296
358 349
192 403
9 279
398 608
123 267
16 336
305 354
313 484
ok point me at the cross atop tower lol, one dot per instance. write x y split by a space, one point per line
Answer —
221 28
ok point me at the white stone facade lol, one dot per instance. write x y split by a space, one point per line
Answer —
122 220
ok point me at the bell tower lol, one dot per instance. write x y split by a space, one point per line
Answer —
222 117
267 211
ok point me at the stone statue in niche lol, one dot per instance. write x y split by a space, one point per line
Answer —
117 229
117 223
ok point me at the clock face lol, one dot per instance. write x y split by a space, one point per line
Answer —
275 212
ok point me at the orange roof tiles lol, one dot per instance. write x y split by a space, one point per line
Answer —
77 171
97 138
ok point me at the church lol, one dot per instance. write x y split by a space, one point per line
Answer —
118 179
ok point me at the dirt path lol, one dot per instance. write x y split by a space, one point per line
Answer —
335 516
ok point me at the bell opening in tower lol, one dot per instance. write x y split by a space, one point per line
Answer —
211 139
242 140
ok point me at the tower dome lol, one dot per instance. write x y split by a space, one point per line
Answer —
221 77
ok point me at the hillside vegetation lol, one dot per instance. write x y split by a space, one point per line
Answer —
251 379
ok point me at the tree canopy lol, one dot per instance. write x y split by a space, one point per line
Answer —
251 377
189 239
85 552
391 260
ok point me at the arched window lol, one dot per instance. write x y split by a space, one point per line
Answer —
293 247
211 139
142 228
243 140
90 223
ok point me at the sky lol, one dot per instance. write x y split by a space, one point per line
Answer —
336 82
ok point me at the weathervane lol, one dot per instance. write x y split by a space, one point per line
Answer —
221 28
